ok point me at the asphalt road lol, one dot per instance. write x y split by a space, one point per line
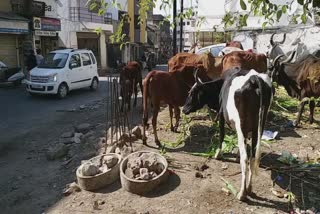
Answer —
20 112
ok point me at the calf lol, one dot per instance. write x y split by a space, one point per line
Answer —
169 87
130 77
244 101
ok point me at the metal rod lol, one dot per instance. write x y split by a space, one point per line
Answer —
181 26
174 40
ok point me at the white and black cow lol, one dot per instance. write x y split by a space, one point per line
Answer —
244 101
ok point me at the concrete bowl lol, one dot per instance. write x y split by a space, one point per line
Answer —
141 187
100 180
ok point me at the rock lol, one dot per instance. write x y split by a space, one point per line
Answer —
153 175
224 166
277 193
71 188
149 161
144 174
125 151
129 173
111 148
77 137
82 107
104 168
66 141
134 164
67 134
110 161
198 175
83 128
202 167
117 150
136 131
59 151
89 169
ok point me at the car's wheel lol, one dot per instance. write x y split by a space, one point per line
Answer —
94 84
17 82
62 90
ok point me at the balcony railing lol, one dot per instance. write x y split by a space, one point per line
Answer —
83 14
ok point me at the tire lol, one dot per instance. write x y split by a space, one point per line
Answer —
62 91
17 82
94 84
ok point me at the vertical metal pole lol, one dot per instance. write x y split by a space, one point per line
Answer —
174 40
181 26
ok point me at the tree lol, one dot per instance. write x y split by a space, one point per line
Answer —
271 12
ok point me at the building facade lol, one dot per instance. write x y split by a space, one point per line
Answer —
14 36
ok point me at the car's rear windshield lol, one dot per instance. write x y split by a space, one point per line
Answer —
54 60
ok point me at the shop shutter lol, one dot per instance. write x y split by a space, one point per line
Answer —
8 54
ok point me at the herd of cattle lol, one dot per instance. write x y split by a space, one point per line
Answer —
237 85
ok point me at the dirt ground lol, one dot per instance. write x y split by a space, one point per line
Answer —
32 184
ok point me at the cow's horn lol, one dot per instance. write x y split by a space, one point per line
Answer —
284 38
289 59
275 61
197 78
271 40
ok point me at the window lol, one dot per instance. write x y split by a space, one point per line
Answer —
216 50
75 61
54 60
85 59
93 59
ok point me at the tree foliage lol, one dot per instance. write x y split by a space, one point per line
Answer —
271 13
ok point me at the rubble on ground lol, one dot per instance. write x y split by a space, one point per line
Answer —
98 165
143 167
58 151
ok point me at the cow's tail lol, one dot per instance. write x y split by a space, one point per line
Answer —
260 126
146 83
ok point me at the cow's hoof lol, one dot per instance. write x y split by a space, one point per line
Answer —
175 129
172 129
241 197
311 120
218 155
158 143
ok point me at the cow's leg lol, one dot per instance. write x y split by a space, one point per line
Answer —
243 163
129 101
123 100
252 154
218 154
301 107
311 106
156 108
177 116
135 95
171 116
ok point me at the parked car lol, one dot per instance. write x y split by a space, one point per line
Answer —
62 71
213 49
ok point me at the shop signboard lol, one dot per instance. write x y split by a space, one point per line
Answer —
44 33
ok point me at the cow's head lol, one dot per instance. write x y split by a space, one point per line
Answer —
275 48
202 94
278 72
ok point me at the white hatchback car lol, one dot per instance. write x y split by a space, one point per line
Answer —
62 71
213 49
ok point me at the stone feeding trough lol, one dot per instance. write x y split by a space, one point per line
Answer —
141 172
99 171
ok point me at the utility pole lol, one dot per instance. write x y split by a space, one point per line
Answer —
174 39
181 26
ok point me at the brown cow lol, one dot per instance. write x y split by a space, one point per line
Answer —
171 88
245 60
300 79
211 64
130 77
